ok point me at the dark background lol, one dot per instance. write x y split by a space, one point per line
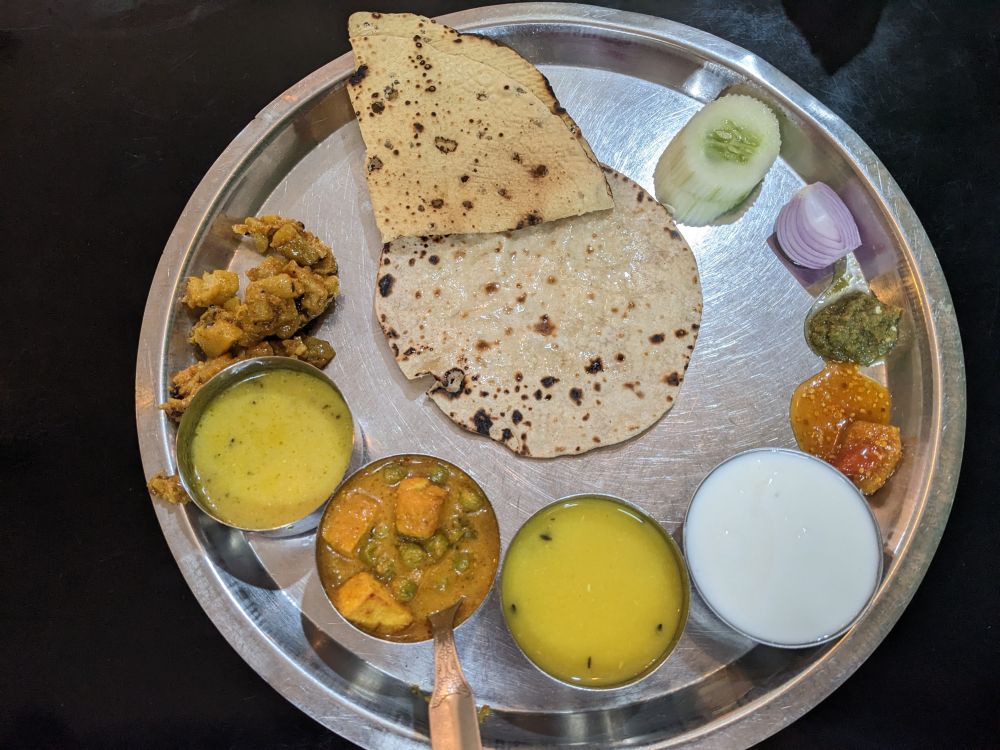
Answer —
110 113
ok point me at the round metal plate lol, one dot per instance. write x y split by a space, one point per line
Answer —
630 81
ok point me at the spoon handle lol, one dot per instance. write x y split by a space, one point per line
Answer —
454 723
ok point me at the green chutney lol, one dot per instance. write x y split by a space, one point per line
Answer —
857 328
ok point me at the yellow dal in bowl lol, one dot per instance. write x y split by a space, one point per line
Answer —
271 449
593 592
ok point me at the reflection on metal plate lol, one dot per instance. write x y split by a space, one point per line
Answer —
631 82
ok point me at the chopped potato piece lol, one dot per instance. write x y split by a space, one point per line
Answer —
213 288
869 453
348 521
368 604
216 332
167 488
418 507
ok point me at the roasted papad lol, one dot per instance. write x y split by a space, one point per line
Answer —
462 134
554 339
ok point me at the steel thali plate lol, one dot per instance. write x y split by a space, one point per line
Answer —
630 82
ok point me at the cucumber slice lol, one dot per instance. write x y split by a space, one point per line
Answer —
718 158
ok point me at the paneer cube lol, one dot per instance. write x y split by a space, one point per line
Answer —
418 507
348 522
369 605
869 453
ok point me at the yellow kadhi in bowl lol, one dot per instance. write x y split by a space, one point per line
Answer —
265 443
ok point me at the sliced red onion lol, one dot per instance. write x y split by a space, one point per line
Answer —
815 228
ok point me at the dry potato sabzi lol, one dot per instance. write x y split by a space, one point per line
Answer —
167 488
295 283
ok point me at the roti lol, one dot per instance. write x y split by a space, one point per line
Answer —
462 134
555 339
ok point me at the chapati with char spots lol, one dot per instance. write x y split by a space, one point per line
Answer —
554 339
461 133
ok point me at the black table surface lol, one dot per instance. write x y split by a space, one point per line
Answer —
110 113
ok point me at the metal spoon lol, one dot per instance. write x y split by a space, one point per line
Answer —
454 723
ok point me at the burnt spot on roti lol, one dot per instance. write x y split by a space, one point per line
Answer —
437 203
530 220
482 345
576 396
358 75
467 205
419 127
503 193
620 357
506 434
385 285
433 260
540 171
378 107
537 394
516 416
453 382
548 381
482 422
464 178
544 326
695 327
634 387
446 146
595 365
680 333
672 378
516 157
374 164
657 338
491 287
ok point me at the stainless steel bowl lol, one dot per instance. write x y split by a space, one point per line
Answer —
836 476
681 566
371 467
230 376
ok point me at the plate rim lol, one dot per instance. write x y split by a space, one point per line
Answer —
744 725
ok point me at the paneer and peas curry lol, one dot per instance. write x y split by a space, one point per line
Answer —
403 538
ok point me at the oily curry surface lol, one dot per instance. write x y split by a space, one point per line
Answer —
403 538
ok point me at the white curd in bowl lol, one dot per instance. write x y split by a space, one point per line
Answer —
782 547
